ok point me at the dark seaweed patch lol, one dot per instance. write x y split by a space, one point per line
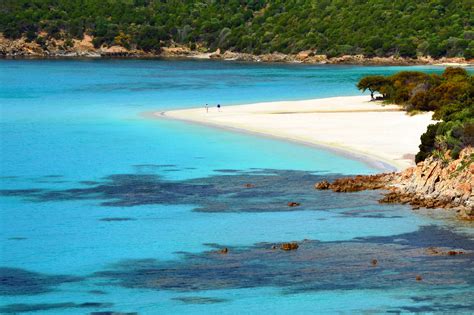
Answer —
199 300
377 213
17 238
227 171
116 219
20 308
154 165
15 281
98 292
113 313
314 266
251 191
21 192
89 182
424 237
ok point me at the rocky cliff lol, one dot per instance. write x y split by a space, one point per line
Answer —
437 182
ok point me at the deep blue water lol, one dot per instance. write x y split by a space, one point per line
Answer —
104 209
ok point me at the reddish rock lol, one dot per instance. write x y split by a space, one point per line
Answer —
322 185
293 204
465 188
433 183
225 250
433 251
357 183
289 246
418 278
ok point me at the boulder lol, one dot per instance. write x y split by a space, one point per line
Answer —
293 204
322 185
224 250
289 246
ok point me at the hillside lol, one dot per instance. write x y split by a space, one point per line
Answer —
374 28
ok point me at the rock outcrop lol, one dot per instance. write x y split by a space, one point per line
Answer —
433 183
50 47
293 204
289 246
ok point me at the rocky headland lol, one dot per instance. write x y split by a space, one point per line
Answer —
57 48
437 182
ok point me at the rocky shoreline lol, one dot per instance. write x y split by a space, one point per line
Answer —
437 182
52 48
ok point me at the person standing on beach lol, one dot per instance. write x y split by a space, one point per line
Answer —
207 108
218 107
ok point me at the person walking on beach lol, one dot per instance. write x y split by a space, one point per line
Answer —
218 107
207 108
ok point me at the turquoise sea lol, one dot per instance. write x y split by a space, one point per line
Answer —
104 209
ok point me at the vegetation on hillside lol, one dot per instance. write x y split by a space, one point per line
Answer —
333 27
449 95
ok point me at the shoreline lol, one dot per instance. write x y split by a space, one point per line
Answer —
334 115
84 49
370 160
349 60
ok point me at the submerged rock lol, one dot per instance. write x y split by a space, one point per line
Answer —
225 250
294 204
289 246
434 251
323 185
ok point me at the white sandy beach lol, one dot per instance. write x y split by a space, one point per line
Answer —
352 124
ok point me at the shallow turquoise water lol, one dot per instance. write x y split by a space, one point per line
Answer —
103 209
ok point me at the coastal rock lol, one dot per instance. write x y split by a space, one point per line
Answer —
275 57
304 55
216 54
289 246
357 183
293 204
175 51
434 251
19 47
51 47
433 183
324 185
316 59
224 250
